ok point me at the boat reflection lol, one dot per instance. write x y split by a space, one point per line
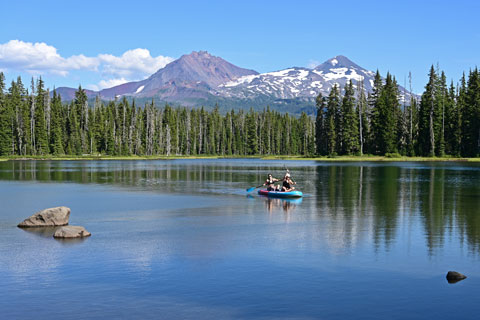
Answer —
287 205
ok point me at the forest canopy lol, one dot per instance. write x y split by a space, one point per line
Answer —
445 120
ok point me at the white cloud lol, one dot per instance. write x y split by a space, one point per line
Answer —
133 63
40 58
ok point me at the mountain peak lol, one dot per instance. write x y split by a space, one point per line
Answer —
198 55
198 72
337 62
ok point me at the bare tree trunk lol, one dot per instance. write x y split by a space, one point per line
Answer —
443 120
411 107
19 129
85 127
187 149
168 146
360 113
123 125
130 131
48 108
200 137
432 133
32 119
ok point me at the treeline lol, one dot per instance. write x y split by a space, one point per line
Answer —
33 122
445 121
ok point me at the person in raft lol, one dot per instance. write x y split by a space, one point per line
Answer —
270 183
288 184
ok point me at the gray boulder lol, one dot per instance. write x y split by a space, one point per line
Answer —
70 232
453 276
47 218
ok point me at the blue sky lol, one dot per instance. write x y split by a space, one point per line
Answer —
99 43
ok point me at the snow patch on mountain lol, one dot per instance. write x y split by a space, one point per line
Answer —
297 82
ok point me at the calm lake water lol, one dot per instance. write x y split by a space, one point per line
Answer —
181 239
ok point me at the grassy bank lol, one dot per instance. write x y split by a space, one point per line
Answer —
371 158
104 157
288 157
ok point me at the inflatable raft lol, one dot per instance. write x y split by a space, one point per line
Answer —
281 194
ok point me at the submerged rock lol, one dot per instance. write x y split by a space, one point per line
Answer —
50 217
453 276
70 232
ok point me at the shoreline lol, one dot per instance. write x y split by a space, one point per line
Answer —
374 159
286 158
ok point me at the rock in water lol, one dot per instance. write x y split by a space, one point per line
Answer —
70 232
47 218
453 276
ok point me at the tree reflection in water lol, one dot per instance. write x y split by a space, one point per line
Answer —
355 200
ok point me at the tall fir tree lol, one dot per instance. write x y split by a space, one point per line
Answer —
374 104
5 121
471 116
412 121
331 127
462 109
252 137
363 121
57 124
320 132
349 122
386 117
426 140
41 138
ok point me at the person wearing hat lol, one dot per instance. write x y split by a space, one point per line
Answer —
270 183
288 184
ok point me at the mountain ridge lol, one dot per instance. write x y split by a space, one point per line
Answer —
200 78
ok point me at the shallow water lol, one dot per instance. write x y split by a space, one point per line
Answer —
181 239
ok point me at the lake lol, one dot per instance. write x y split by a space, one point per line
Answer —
181 239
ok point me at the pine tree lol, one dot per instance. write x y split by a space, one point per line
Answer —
462 110
363 123
349 122
426 130
56 136
333 103
412 120
320 133
471 116
41 139
386 117
373 101
451 122
6 140
304 134
440 102
19 99
252 136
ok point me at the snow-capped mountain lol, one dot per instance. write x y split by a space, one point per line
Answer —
193 75
200 78
302 83
299 82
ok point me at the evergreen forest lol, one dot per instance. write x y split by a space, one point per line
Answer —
443 121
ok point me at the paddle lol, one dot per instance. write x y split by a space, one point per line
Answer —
253 188
288 171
